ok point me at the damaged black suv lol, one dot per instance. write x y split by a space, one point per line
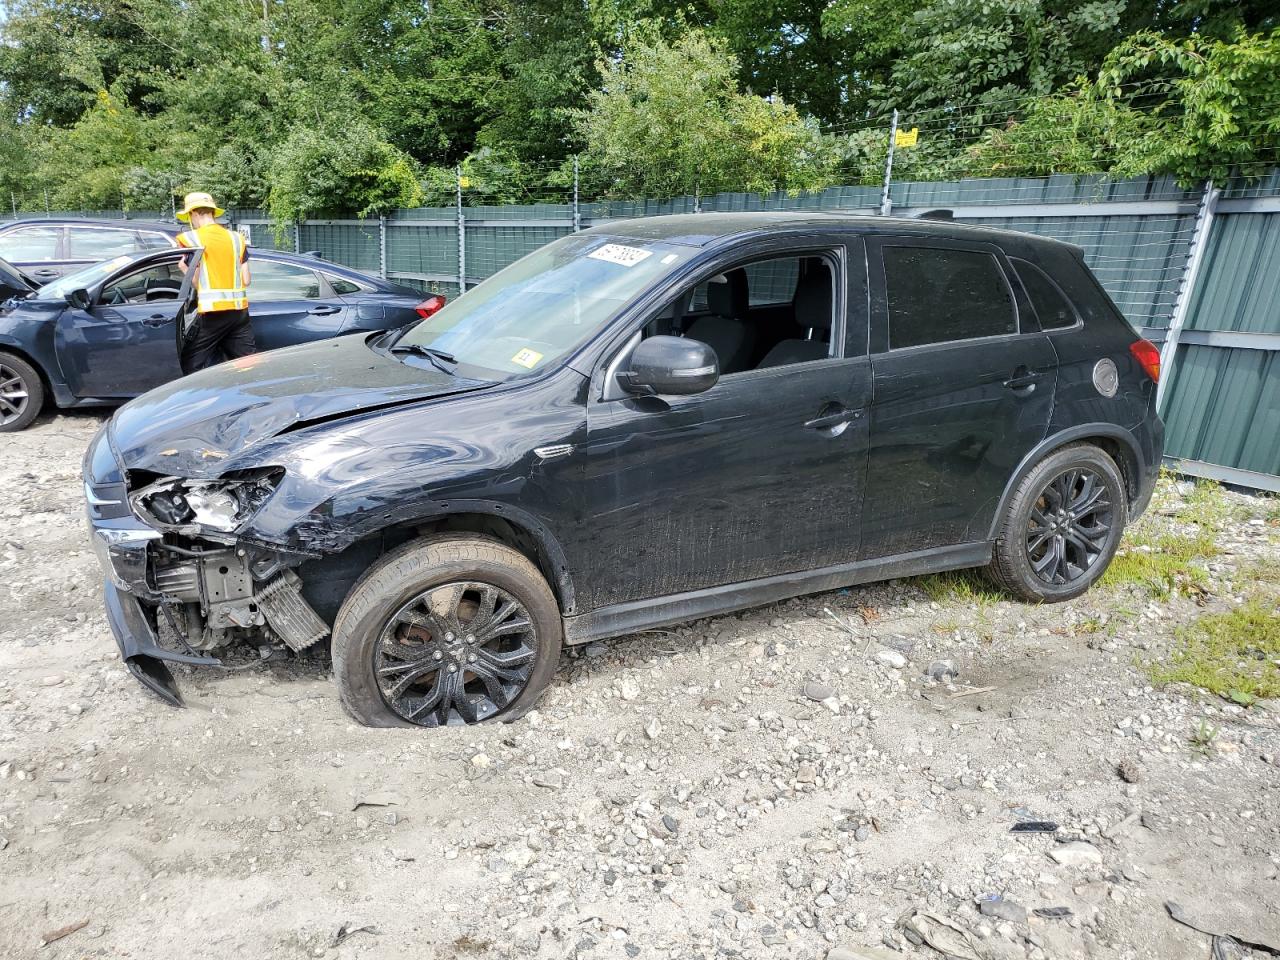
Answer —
638 424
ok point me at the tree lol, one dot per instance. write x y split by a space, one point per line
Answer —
669 119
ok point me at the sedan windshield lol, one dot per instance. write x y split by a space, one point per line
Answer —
527 316
81 279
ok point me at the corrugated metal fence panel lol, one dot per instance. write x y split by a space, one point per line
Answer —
346 243
1139 260
1224 408
1241 287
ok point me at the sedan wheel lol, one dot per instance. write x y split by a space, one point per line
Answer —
21 393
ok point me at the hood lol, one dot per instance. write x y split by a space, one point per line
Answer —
195 426
13 282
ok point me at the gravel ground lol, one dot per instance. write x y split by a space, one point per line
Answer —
769 784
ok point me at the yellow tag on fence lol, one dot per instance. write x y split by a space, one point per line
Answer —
907 138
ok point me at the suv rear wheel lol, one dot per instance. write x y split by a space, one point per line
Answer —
455 629
21 393
1062 526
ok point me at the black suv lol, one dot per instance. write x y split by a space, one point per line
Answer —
639 424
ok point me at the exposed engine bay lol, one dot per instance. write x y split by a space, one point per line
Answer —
212 589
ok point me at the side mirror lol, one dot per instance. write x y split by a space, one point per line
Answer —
673 366
79 299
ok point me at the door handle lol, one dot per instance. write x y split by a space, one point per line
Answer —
157 320
324 311
1023 380
833 415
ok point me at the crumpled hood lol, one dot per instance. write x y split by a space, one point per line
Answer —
194 426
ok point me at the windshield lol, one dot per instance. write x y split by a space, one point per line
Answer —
527 316
81 279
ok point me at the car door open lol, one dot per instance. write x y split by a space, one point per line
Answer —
125 337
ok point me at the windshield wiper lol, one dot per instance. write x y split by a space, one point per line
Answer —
438 358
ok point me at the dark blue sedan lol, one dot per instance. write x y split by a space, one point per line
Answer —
110 332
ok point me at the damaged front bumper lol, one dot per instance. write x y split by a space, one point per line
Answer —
121 547
211 593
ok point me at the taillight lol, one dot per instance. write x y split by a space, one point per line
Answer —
1148 356
429 306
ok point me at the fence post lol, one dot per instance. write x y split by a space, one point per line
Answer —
48 212
14 200
462 234
297 237
382 246
577 213
1186 289
886 203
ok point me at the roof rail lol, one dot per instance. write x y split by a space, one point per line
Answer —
940 214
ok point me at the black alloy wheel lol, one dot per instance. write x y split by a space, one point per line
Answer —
1061 526
1069 527
457 653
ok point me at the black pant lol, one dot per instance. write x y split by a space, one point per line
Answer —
220 335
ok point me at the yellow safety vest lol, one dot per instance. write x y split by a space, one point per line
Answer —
218 281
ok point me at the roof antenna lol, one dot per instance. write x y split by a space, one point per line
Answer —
940 214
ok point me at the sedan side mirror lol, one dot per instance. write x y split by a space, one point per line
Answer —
79 299
672 366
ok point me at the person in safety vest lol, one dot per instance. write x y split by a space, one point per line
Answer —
222 280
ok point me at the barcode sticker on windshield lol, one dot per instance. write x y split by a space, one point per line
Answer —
527 358
618 253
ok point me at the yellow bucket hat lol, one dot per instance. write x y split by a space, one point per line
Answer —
198 201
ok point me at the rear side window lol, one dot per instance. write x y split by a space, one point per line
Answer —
341 286
272 280
1052 306
938 294
30 243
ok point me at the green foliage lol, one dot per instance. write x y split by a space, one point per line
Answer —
340 158
105 102
670 120
1235 655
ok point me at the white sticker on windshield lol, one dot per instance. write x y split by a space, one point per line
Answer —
619 253
669 258
527 358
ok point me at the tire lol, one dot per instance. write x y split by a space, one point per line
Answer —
406 633
21 393
1071 547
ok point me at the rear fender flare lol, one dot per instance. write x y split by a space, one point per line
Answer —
1132 471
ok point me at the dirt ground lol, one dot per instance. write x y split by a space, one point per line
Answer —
784 783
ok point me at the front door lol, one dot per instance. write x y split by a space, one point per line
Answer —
127 341
964 384
760 475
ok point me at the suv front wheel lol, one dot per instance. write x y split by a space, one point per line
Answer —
455 629
1062 526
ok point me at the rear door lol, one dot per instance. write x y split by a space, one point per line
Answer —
964 383
128 341
290 303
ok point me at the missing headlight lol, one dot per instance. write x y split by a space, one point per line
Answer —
220 505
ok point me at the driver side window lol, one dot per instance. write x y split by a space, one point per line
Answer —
764 313
156 283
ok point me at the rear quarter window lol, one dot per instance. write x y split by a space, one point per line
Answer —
1052 307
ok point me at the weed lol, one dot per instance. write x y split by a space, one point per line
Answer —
1203 737
1089 625
1235 655
1163 564
961 586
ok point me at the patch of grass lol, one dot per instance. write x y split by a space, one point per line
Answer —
1163 564
1089 625
1235 655
1209 506
960 586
